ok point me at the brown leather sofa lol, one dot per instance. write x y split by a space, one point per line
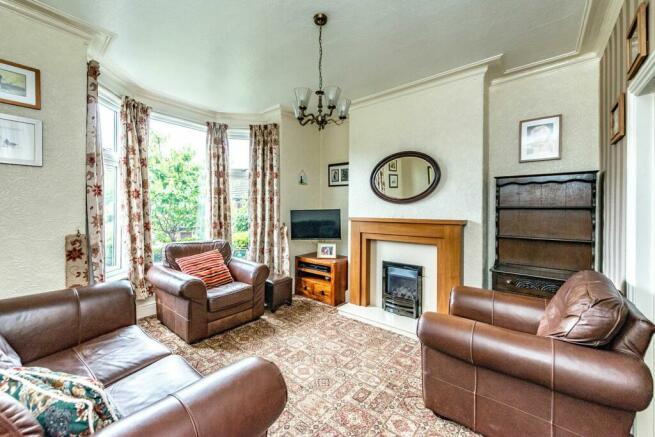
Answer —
191 311
484 367
92 332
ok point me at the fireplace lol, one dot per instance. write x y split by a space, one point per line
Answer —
402 289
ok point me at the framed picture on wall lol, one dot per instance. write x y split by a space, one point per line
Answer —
393 165
540 138
393 180
20 85
338 175
617 120
637 41
20 141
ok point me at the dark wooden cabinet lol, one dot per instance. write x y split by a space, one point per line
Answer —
545 230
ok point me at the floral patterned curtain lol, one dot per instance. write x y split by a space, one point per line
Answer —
135 120
267 243
94 180
219 181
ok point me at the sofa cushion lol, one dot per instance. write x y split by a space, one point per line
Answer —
586 310
8 356
151 384
109 357
208 266
228 295
62 403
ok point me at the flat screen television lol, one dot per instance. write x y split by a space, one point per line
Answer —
315 224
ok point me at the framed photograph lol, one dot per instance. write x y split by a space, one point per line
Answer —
393 180
540 139
20 141
338 175
617 120
326 250
393 165
637 41
20 85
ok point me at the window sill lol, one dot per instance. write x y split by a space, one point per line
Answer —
116 275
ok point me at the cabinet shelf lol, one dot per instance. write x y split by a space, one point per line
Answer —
558 240
566 208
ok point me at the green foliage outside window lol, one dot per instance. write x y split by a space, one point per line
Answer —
174 194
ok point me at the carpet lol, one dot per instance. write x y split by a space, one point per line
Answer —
345 378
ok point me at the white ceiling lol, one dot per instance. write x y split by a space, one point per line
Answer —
248 55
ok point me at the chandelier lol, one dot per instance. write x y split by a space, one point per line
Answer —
328 97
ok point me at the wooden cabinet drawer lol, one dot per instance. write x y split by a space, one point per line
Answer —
314 289
525 285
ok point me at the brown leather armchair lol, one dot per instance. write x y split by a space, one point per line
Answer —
484 367
92 332
192 311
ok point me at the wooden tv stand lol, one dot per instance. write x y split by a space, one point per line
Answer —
326 282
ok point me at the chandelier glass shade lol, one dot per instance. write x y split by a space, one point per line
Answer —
328 97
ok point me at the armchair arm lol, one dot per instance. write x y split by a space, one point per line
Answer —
177 283
506 310
243 399
596 375
248 272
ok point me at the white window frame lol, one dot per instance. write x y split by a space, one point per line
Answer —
111 158
169 119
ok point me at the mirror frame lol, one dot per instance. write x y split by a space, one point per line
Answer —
424 193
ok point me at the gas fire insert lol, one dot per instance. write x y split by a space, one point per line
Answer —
402 289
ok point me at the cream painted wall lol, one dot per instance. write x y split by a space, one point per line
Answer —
334 150
40 205
571 91
446 121
299 150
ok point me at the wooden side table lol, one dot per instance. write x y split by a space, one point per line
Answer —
322 279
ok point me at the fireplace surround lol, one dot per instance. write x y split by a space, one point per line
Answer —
445 235
402 289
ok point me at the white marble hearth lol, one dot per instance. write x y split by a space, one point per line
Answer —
376 316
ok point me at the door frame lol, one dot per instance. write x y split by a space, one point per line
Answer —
640 210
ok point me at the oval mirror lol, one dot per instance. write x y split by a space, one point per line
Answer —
405 177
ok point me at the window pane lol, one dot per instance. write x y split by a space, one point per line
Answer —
107 127
239 189
111 228
177 166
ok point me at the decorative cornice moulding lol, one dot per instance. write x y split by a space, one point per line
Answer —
121 84
473 69
542 68
98 39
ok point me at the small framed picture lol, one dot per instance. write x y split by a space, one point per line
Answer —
393 165
393 180
20 85
20 141
540 138
617 120
637 41
338 175
326 250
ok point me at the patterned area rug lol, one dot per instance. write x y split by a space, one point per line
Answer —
345 378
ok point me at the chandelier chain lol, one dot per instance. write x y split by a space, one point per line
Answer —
320 57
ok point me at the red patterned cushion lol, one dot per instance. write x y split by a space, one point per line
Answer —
208 266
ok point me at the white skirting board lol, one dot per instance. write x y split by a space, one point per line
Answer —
146 308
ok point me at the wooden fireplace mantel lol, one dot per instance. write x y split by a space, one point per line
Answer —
445 235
